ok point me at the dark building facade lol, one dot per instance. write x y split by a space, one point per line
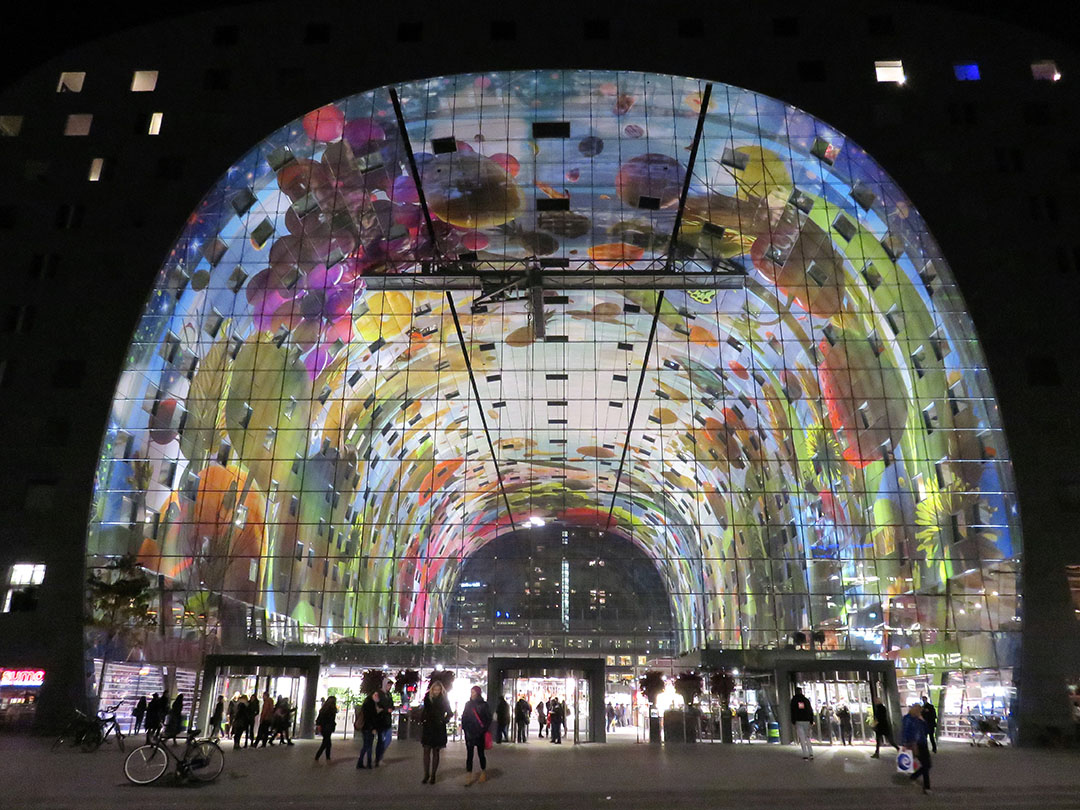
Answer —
807 453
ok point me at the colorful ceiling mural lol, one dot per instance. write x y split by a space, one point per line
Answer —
815 449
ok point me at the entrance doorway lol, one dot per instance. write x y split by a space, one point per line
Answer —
293 676
830 690
578 683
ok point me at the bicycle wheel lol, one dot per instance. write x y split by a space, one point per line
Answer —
93 739
146 764
67 737
206 762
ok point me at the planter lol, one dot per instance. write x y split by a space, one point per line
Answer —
674 726
654 730
725 726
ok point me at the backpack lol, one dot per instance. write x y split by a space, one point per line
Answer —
358 720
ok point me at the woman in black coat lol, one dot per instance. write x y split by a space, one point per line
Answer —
325 724
475 722
435 714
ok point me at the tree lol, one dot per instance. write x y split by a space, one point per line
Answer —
119 604
652 684
688 685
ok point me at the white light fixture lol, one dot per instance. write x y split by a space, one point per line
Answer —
536 521
890 71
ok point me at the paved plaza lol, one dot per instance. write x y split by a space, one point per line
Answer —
622 773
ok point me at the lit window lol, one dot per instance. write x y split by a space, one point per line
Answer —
10 125
1045 71
890 71
70 82
97 166
78 124
22 579
966 72
144 81
26 574
155 124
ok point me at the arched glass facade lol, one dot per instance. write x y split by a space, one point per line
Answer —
307 451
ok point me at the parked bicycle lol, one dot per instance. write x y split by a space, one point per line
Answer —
91 732
202 760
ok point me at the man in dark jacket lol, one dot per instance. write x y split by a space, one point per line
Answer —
369 710
502 715
522 710
802 715
556 717
929 716
882 730
384 722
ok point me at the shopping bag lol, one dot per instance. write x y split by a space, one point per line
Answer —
905 761
488 742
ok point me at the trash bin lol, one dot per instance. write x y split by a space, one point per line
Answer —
774 732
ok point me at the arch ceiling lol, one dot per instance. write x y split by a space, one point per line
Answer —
815 447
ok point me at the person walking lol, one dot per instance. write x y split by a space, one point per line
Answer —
522 710
384 722
802 715
761 721
370 710
325 724
825 719
502 715
175 719
215 717
843 715
541 717
281 725
434 715
882 729
913 734
556 720
266 718
239 721
230 715
154 716
609 714
138 713
744 722
929 716
475 725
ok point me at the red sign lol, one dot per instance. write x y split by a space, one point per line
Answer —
22 677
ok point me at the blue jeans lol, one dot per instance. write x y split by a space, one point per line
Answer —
369 741
383 743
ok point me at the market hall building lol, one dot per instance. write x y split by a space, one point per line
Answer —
378 354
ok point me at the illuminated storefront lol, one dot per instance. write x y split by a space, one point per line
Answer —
684 314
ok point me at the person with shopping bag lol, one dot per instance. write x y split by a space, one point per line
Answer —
476 726
914 736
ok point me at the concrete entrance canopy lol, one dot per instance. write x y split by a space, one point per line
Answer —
266 665
591 669
682 313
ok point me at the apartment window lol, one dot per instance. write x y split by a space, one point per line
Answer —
890 70
69 217
10 125
43 266
23 579
144 81
966 72
1045 70
20 319
97 169
154 127
78 124
71 82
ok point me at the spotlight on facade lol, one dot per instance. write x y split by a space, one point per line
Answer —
536 521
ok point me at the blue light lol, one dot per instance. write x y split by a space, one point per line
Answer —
966 72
